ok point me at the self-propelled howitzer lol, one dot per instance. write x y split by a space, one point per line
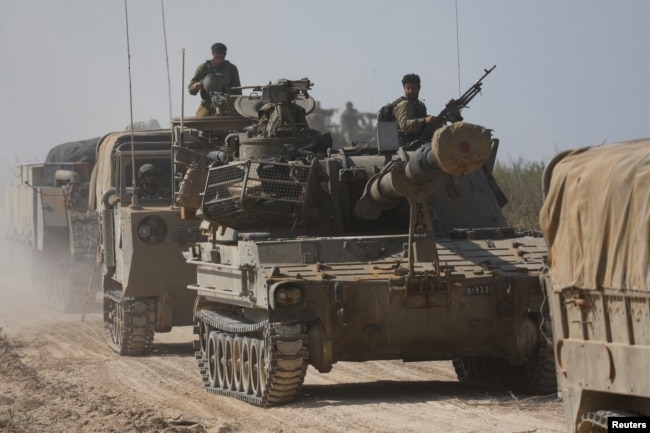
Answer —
317 259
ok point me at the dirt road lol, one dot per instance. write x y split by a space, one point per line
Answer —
58 375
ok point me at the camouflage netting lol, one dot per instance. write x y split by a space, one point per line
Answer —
596 217
74 151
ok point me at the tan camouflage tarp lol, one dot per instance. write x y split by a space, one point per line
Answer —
596 218
102 176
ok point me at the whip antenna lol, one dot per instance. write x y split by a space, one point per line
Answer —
134 198
457 47
169 82
182 86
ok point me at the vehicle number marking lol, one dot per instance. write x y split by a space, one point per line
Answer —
483 289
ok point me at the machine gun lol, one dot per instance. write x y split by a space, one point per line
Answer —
216 88
451 112
281 108
282 91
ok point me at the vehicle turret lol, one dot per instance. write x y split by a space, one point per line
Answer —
457 150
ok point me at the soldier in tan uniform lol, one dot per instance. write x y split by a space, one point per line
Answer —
225 73
411 114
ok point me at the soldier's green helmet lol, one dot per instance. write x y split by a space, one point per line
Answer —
146 168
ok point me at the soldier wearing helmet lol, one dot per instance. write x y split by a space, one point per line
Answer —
148 186
219 71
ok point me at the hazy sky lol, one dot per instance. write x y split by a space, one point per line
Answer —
569 73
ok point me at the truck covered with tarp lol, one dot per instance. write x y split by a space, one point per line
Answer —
47 216
596 221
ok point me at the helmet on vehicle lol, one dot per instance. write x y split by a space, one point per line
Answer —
215 83
146 168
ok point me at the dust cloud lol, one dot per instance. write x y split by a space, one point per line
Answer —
16 291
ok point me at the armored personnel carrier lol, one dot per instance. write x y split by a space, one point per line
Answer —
47 216
141 239
596 220
318 255
143 232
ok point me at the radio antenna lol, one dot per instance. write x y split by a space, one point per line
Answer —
457 47
134 199
169 82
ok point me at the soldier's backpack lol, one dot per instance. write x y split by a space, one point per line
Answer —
385 113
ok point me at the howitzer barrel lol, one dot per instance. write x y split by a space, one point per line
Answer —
457 149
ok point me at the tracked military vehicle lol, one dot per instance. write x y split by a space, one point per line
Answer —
47 216
141 239
596 220
318 255
143 233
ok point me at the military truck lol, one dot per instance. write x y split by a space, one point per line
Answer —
318 255
596 220
47 217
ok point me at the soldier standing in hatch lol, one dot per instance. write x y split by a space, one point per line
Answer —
411 114
219 67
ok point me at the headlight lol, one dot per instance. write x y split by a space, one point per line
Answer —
152 230
144 231
287 295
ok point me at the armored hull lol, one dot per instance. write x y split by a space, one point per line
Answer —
351 299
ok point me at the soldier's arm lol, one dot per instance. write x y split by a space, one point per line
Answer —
195 82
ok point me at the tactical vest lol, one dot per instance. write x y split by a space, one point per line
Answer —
420 111
386 113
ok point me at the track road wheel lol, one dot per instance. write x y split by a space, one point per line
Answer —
262 367
212 360
245 366
228 363
237 364
253 367
221 361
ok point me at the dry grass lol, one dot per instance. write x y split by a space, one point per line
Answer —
521 181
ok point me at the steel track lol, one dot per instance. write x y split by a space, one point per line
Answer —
285 354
